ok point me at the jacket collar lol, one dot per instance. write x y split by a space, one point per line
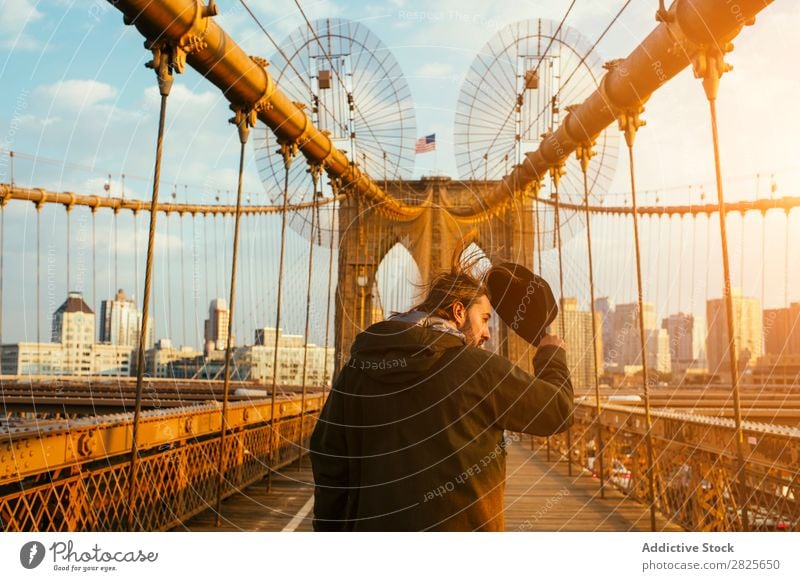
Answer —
431 322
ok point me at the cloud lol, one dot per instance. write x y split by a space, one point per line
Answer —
76 94
435 70
18 15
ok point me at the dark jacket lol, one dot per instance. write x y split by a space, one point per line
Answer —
411 436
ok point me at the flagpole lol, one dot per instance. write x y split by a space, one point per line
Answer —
427 144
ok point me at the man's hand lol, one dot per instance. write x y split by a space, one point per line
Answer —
552 340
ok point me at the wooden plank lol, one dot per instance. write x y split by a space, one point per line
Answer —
540 496
253 509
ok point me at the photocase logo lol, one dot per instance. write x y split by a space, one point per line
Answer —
31 554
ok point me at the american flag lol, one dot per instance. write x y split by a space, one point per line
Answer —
425 144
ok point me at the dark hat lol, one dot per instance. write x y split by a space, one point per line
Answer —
523 300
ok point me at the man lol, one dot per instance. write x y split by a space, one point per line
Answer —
411 437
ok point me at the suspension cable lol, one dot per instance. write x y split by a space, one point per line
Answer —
2 269
315 171
38 275
584 153
288 150
574 71
709 65
338 77
629 123
94 258
763 257
331 293
116 250
170 315
280 51
556 172
244 121
536 71
162 64
69 214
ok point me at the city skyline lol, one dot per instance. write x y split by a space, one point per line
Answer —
676 345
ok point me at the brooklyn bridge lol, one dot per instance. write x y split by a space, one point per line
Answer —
167 346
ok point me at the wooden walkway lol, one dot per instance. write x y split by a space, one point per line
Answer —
540 496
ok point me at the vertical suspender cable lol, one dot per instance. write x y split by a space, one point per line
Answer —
680 261
358 218
206 276
315 170
538 236
216 254
630 123
136 250
195 290
334 192
2 270
183 273
244 120
170 327
287 150
786 267
555 174
710 68
763 258
38 276
163 68
94 257
741 257
116 250
69 213
584 154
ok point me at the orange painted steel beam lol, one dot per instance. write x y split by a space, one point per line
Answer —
691 25
188 25
51 445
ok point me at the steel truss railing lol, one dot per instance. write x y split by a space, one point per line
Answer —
73 475
695 466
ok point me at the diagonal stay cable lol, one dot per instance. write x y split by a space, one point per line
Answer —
538 64
335 71
580 63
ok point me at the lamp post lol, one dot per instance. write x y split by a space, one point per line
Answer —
362 285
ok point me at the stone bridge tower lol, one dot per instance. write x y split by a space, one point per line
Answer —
366 235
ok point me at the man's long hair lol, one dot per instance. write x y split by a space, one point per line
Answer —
463 283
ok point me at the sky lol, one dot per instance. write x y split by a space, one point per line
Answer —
78 104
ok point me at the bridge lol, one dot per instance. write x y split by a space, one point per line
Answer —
679 424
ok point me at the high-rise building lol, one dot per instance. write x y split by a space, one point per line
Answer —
73 350
604 308
160 359
216 326
626 346
121 322
578 336
782 330
256 362
686 339
747 325
73 322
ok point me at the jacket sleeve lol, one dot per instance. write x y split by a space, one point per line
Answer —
539 404
329 463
